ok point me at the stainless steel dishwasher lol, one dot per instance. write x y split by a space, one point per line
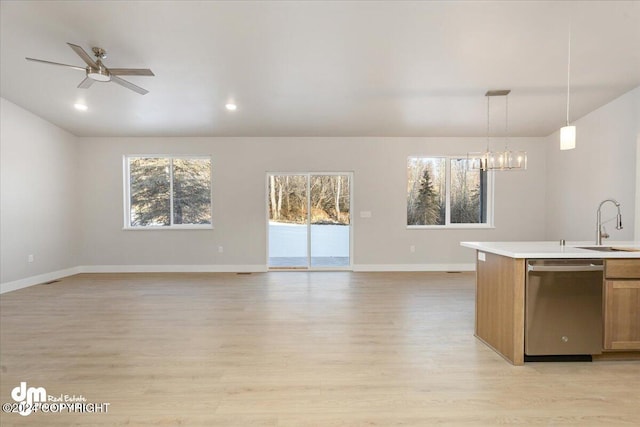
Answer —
563 307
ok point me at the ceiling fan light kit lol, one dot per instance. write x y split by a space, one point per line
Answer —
98 74
96 71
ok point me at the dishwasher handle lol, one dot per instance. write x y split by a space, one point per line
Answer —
567 268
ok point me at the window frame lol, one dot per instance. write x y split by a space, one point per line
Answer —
489 224
171 226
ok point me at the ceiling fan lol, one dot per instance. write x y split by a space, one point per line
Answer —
97 72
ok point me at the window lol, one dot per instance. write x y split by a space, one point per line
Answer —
445 192
164 192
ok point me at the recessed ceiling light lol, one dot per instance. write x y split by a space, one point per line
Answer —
81 107
231 107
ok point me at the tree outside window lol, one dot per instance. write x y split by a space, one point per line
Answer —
443 191
168 191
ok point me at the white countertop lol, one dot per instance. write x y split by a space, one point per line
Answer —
552 249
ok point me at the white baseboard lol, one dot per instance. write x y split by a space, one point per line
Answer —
414 267
255 268
36 280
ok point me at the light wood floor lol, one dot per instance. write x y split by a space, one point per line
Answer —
288 349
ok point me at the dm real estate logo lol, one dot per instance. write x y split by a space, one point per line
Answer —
27 398
35 399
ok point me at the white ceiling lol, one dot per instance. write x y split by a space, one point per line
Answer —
323 68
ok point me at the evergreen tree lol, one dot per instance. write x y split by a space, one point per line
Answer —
428 209
191 191
150 191
150 201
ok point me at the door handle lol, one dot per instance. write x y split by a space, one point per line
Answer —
565 268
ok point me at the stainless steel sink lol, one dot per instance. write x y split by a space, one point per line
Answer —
600 248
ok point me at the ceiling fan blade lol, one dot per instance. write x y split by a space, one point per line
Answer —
128 85
131 72
82 54
86 83
55 63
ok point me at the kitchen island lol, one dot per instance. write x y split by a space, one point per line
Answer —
500 294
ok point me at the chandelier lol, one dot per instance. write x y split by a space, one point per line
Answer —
501 160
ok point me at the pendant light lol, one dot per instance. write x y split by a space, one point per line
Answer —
568 132
506 160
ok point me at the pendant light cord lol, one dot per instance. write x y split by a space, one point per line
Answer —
568 74
488 114
506 123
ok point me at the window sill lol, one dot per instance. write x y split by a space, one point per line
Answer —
452 227
171 227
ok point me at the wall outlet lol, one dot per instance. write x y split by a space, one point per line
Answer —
412 248
220 249
482 256
30 258
365 214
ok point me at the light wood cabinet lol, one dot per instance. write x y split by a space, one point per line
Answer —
623 269
622 304
500 305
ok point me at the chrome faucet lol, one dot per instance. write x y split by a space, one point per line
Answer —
600 232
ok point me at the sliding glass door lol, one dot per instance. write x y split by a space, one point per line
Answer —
309 221
288 216
330 220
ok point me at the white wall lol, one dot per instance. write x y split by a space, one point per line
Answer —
637 226
62 196
240 165
602 166
38 196
62 201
